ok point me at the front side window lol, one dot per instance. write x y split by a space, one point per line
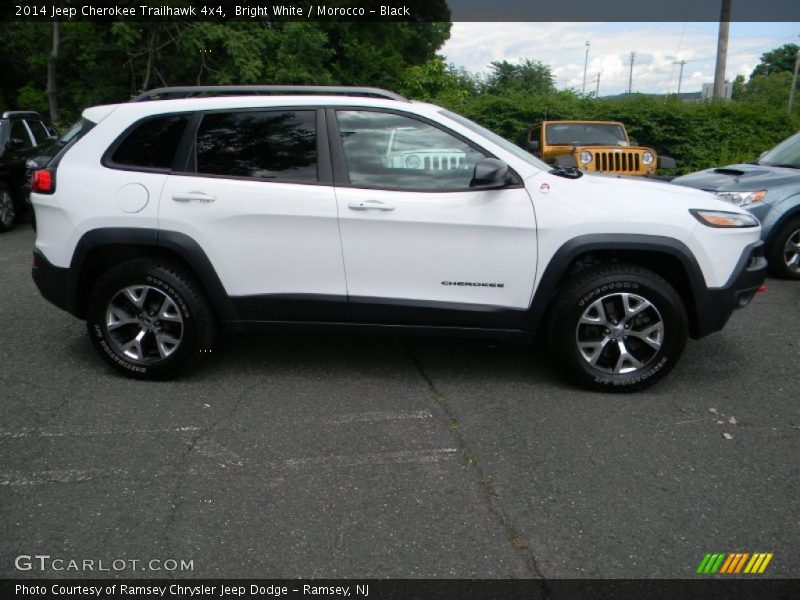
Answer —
272 144
385 150
152 144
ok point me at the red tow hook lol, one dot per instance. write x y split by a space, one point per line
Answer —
762 288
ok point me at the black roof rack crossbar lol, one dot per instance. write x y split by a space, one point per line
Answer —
173 93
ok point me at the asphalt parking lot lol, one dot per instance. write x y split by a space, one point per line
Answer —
355 456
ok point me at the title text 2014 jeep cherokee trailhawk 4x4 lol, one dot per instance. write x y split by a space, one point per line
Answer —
167 220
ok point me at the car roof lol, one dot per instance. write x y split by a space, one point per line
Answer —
137 110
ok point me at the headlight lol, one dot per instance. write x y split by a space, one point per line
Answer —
648 158
586 157
742 198
720 218
413 161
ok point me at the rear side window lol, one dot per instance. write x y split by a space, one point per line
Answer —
273 145
20 133
152 144
40 133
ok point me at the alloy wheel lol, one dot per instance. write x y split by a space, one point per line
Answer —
791 251
620 333
7 212
144 323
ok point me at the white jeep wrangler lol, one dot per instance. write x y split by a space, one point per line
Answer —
194 210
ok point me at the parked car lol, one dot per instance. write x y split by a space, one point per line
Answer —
163 221
595 146
770 189
22 134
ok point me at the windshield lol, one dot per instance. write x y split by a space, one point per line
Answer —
785 154
585 134
496 139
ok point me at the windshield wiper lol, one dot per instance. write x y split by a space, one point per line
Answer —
787 166
568 172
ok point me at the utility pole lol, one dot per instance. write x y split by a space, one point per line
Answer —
722 50
680 76
585 66
597 86
794 83
630 76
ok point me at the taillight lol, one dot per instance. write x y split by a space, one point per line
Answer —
43 182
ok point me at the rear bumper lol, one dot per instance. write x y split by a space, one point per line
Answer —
714 310
54 283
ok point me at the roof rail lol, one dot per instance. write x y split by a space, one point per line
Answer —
173 93
20 113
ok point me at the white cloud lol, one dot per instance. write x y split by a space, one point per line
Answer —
657 46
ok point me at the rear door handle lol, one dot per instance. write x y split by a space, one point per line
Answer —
370 205
193 197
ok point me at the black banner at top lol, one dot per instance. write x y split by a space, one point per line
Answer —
399 10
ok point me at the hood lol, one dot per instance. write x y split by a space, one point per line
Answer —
642 195
740 178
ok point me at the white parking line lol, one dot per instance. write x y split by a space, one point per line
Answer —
384 458
371 417
35 433
17 478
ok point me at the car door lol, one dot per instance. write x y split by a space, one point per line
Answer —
420 246
256 195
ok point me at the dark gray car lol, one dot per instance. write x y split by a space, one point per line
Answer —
770 189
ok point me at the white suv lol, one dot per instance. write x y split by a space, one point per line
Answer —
194 210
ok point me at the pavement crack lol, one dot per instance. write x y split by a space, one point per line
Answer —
482 479
176 501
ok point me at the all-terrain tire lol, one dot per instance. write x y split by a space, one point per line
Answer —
150 319
617 327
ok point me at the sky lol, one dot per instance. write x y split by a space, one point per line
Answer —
658 46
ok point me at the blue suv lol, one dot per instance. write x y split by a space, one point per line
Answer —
770 189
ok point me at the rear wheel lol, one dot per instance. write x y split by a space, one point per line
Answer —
8 210
783 252
618 327
150 320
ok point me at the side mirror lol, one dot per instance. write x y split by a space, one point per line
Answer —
490 173
533 145
762 154
665 162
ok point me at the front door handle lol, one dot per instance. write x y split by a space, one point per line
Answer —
193 197
370 205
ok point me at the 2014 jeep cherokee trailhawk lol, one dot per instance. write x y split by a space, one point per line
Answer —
175 216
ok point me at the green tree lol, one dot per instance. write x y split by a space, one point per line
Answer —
530 77
777 61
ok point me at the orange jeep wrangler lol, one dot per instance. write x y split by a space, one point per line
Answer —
601 146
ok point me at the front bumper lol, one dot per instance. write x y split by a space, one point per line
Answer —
717 306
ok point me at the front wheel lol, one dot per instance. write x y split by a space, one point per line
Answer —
783 251
149 320
618 327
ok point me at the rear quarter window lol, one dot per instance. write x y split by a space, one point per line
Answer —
150 144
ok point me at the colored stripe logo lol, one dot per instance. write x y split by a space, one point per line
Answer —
732 563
